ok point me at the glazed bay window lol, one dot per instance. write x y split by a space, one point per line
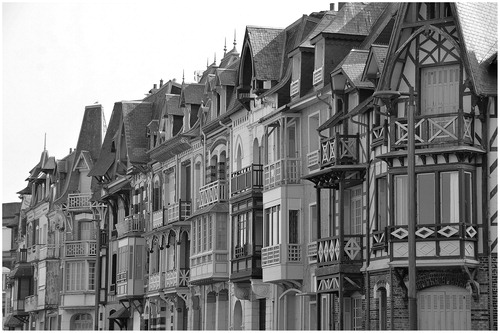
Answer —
241 233
438 198
79 276
203 234
353 211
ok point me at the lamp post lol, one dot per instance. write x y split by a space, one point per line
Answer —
99 210
389 97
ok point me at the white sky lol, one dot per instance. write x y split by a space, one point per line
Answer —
59 57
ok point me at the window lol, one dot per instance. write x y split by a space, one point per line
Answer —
171 253
75 276
319 54
292 139
435 204
353 211
81 322
382 309
221 234
87 231
293 227
440 89
271 226
156 194
313 134
353 318
382 204
91 275
241 230
313 222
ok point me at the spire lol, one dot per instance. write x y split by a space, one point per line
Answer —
225 48
215 59
183 76
45 142
234 43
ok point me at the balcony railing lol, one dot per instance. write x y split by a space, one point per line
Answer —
77 201
294 87
380 135
130 224
313 159
80 248
158 219
340 149
22 255
178 211
318 76
177 278
213 192
156 281
48 251
379 240
285 171
452 240
249 178
331 252
312 252
31 303
281 253
33 253
432 130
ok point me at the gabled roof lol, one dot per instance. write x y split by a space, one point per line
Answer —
376 60
266 49
478 22
353 66
136 116
325 21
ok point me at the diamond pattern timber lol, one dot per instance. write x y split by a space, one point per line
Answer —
449 248
424 232
426 249
448 231
400 233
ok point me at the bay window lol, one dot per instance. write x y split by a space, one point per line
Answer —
80 276
439 197
271 226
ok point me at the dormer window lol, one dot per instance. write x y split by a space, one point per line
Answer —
437 10
319 60
295 85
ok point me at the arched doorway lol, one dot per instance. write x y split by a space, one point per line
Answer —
444 308
290 311
238 317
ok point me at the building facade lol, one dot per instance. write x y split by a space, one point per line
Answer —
273 193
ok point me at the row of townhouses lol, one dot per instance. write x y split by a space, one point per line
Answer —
274 193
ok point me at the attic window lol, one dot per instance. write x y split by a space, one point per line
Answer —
437 10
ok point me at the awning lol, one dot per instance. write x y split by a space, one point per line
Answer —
11 321
25 270
123 313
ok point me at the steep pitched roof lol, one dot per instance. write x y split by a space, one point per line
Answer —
172 105
478 24
325 21
356 18
136 116
266 50
353 66
226 77
192 93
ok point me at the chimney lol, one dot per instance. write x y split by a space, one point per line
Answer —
332 6
154 86
341 4
161 83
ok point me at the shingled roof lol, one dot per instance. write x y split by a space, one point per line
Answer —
353 66
356 18
478 24
192 93
136 116
266 51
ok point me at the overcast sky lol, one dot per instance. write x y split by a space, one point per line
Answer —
59 57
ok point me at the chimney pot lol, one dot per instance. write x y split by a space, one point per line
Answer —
154 86
332 6
161 83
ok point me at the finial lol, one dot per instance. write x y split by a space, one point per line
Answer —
207 62
215 60
183 76
45 142
234 43
225 48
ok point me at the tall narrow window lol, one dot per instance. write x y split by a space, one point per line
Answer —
313 134
91 275
401 200
425 199
382 309
440 90
271 227
156 194
449 197
468 197
382 207
313 221
293 227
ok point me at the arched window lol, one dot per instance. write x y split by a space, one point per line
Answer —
382 309
156 194
81 322
239 157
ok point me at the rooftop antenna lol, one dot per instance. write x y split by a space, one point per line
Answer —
225 48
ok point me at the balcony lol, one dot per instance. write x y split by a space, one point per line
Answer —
213 192
282 262
18 307
78 201
209 265
156 281
80 249
130 224
432 241
433 130
31 303
285 171
318 76
380 135
312 252
77 299
294 88
332 252
246 263
247 179
33 253
22 256
313 159
340 149
177 278
179 211
48 251
158 219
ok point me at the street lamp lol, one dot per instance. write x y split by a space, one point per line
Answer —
99 211
389 97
